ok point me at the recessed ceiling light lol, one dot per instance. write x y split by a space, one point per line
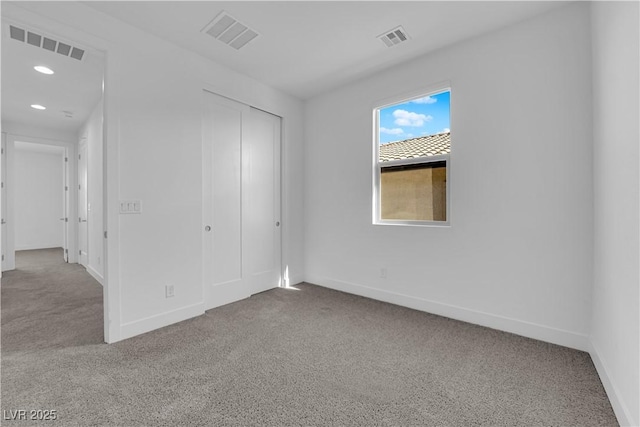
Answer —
42 69
38 107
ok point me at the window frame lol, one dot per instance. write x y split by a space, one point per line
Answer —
378 165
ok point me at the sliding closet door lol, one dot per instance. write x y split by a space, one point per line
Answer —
241 229
262 201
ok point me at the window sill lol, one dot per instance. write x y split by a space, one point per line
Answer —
437 224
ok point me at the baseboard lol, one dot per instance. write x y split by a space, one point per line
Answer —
502 323
295 280
619 408
95 275
223 294
34 247
148 324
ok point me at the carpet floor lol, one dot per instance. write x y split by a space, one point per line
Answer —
305 356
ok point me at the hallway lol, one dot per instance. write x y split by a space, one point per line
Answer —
47 304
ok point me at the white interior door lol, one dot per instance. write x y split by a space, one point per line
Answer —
223 124
241 203
261 213
83 214
3 190
65 204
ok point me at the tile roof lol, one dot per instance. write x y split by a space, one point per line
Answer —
424 146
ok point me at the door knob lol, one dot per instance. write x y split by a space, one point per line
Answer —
277 223
207 228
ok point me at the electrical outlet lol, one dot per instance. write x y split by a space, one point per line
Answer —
383 273
169 291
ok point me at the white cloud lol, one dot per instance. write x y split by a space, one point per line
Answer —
425 100
446 130
406 118
394 131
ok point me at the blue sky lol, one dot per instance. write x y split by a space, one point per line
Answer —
421 116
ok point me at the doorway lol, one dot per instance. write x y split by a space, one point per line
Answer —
37 204
3 205
83 207
40 207
54 98
242 200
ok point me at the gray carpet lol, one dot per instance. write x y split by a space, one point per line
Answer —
311 356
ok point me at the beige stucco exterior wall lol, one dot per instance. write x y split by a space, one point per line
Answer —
414 194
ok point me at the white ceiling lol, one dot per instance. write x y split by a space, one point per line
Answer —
76 85
307 47
39 148
304 47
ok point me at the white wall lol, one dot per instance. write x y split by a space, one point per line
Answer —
518 253
160 164
39 199
92 131
153 153
615 323
31 131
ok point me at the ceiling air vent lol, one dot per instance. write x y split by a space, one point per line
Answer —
230 31
45 43
17 33
394 37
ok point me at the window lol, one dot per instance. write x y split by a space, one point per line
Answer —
412 146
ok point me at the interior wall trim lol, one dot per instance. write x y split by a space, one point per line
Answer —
619 408
515 326
161 320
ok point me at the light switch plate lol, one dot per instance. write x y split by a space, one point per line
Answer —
130 206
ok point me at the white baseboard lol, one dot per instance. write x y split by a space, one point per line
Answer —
37 246
519 327
295 280
95 274
619 408
148 324
223 294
